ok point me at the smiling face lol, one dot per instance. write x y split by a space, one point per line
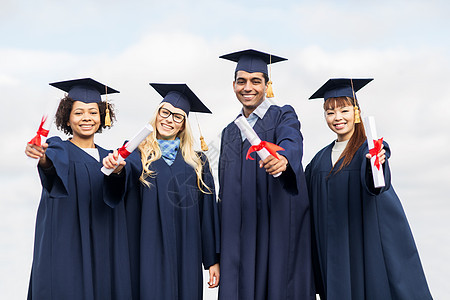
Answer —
250 89
84 120
341 120
166 128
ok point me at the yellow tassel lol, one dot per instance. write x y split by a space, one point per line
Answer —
107 118
203 144
357 115
269 92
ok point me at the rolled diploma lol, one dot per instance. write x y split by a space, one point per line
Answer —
49 116
131 145
47 124
371 132
252 137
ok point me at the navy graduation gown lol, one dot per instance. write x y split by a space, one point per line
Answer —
265 248
173 227
80 249
364 248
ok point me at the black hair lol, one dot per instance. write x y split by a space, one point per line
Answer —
266 77
359 135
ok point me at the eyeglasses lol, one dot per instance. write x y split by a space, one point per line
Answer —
165 113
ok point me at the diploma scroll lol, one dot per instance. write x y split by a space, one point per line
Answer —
374 145
252 137
45 125
130 146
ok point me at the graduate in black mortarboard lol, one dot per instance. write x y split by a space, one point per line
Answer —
265 241
172 211
363 246
80 249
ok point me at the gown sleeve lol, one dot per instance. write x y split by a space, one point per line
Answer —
116 186
289 137
55 179
366 172
210 218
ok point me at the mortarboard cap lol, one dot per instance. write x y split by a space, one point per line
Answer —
85 90
340 87
252 61
180 96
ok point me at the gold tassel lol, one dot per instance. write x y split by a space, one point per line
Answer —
269 92
357 115
107 116
355 108
203 144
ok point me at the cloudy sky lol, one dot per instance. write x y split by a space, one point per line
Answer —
404 45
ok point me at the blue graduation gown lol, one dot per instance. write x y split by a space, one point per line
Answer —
364 248
80 249
173 227
265 221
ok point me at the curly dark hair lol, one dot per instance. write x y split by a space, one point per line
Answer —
65 107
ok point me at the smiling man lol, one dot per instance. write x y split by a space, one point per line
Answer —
265 245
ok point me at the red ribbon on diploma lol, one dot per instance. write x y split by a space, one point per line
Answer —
41 131
272 148
123 151
375 150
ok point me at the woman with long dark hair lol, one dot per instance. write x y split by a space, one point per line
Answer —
363 247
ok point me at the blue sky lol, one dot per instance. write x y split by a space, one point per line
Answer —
404 45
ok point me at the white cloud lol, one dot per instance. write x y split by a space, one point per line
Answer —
7 80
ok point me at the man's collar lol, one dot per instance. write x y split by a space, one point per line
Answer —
261 110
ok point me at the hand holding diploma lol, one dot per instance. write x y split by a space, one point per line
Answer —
214 276
38 152
376 153
111 163
37 146
274 163
115 161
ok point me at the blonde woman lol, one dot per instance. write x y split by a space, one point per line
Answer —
169 194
